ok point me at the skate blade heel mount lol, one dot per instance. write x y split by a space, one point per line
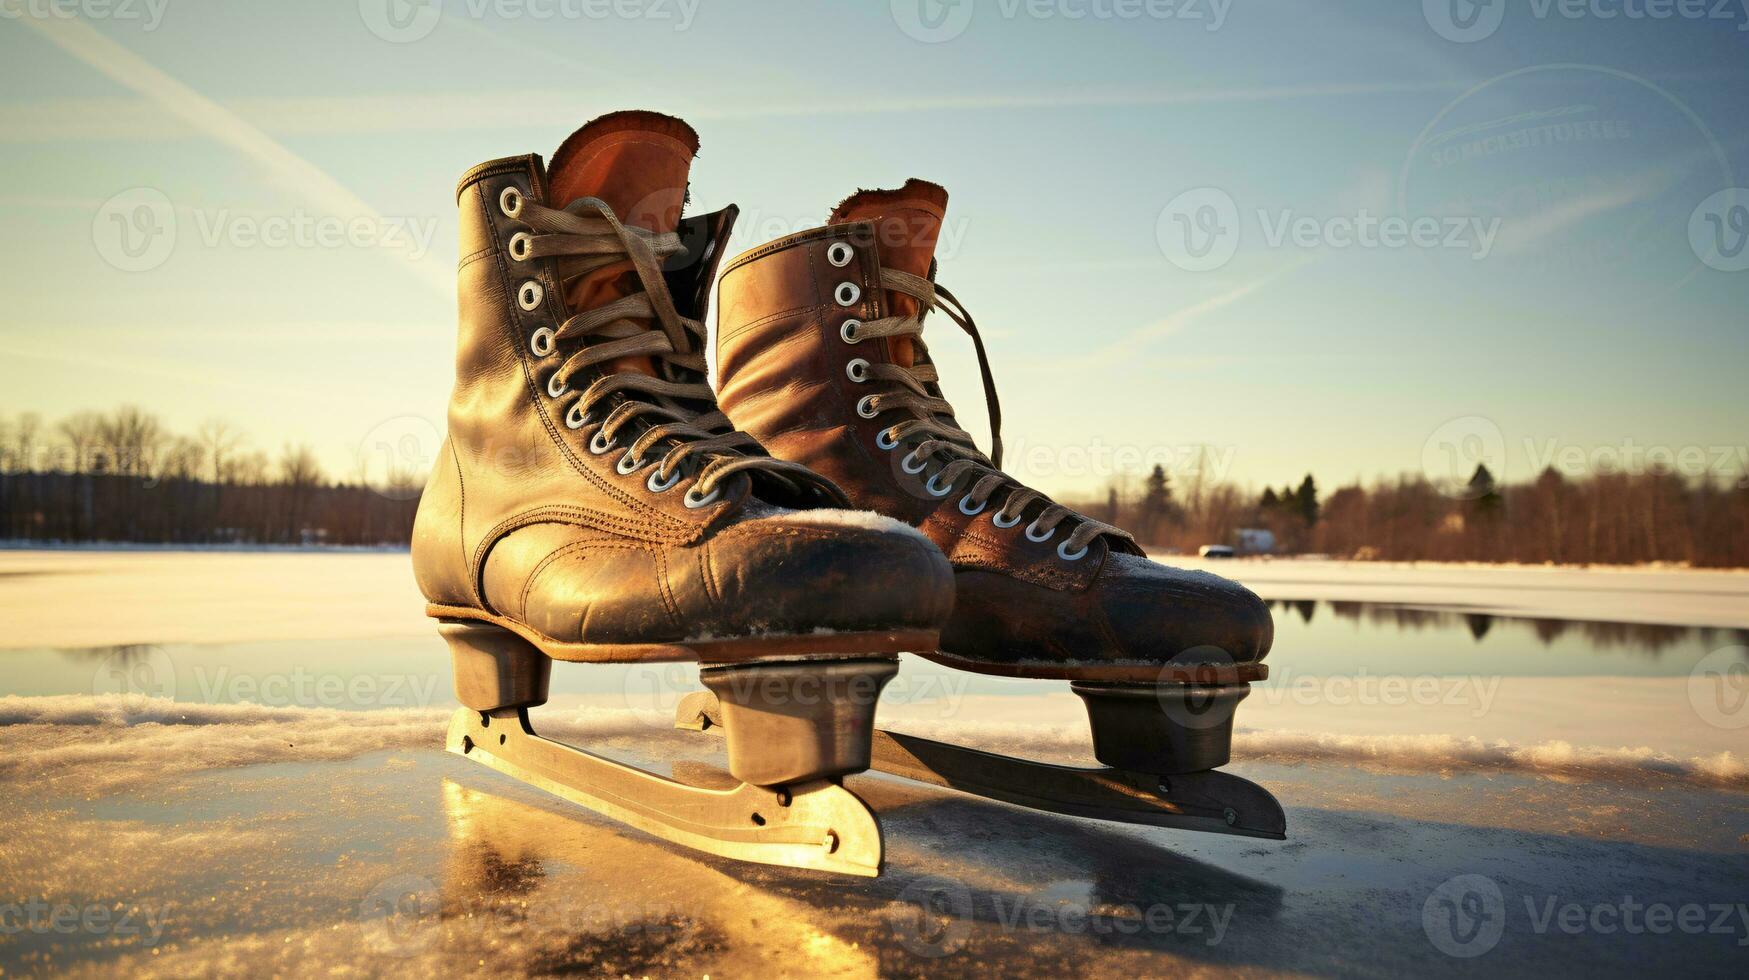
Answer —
1205 800
793 721
1168 729
803 723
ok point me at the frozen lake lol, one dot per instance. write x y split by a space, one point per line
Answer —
231 764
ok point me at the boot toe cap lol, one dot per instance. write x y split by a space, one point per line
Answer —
829 571
1183 614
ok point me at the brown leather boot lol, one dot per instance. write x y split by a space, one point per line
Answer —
821 357
592 504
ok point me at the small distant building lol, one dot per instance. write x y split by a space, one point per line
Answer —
1254 541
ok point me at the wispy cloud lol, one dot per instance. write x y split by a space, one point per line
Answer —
214 121
1126 346
121 119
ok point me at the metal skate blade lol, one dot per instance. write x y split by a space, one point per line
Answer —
1211 802
817 825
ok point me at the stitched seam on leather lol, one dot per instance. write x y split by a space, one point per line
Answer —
768 319
461 520
705 576
1043 575
662 588
536 516
1103 624
799 238
494 168
541 566
473 257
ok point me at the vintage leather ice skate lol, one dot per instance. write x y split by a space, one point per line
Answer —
821 357
592 504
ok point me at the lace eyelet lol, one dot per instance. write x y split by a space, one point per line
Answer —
997 520
847 294
576 418
911 464
935 491
1038 537
541 342
1063 552
839 254
848 331
521 244
857 370
627 465
693 501
510 202
600 445
865 407
884 439
972 511
659 486
529 295
556 386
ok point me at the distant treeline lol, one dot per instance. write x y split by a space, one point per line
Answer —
123 477
1607 518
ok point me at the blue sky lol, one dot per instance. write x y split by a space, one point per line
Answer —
1555 308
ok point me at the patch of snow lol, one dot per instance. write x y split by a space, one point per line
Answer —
864 520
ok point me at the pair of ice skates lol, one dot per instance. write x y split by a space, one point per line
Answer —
597 501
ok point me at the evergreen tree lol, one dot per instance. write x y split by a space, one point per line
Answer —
1305 501
1482 490
1159 511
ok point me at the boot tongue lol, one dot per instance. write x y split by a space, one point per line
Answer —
907 222
637 162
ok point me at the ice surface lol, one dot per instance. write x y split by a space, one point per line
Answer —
1579 768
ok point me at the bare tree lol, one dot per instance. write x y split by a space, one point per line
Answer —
132 439
184 459
219 440
298 467
82 433
25 433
